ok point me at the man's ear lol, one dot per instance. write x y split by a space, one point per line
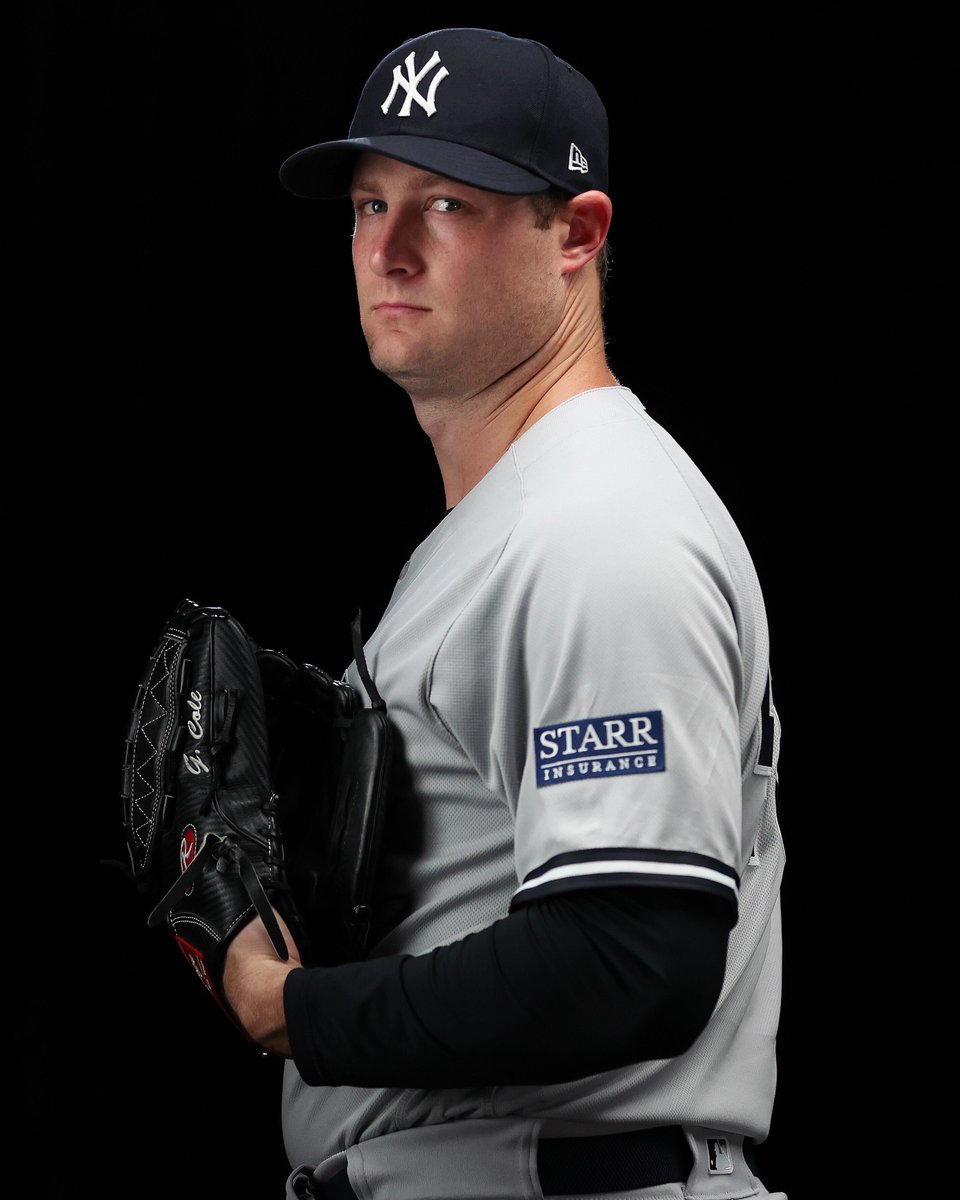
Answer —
588 218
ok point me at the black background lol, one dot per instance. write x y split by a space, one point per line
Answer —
201 420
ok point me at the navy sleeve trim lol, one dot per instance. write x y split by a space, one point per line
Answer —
616 865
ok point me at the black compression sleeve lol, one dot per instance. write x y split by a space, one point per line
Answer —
565 987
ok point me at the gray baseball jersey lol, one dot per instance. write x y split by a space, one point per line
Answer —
576 664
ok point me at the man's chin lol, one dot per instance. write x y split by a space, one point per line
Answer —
404 373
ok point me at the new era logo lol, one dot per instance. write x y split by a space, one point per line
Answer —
576 161
410 83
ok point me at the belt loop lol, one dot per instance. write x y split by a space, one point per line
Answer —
720 1171
299 1184
314 1183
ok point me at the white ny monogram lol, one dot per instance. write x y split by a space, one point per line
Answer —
409 85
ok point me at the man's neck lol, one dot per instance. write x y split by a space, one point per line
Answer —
471 433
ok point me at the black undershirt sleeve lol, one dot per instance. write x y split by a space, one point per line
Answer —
563 987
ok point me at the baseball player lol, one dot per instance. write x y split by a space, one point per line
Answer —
573 988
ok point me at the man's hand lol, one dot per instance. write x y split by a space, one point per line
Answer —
253 979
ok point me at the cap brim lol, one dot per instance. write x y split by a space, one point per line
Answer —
326 170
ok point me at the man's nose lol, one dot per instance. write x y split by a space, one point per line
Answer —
395 245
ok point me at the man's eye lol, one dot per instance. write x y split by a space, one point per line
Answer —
369 208
445 204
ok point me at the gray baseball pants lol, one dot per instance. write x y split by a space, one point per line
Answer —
499 1160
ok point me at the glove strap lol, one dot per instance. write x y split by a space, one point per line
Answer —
261 901
184 883
376 700
227 849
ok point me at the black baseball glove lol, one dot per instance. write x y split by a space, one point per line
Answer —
246 779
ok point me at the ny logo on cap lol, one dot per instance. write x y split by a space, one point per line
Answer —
410 85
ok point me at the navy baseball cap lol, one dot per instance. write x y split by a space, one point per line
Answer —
493 111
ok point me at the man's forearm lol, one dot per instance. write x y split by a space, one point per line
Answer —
253 983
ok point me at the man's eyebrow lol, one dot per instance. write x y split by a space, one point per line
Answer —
415 183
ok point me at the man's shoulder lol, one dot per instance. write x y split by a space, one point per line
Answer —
599 457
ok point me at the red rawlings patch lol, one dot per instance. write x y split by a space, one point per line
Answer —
196 960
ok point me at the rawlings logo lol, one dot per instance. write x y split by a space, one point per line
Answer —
188 847
410 85
188 851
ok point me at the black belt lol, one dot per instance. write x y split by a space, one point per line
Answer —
612 1162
